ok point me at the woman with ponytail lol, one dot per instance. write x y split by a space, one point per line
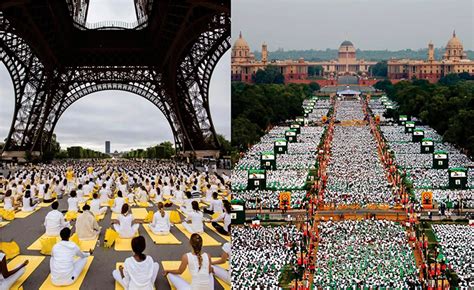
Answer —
138 271
199 265
195 217
161 221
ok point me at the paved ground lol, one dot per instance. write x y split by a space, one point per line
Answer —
26 231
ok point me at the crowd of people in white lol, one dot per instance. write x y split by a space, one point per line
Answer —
457 243
259 253
355 173
367 253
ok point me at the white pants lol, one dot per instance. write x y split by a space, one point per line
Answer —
125 282
222 274
188 228
126 234
8 282
160 232
180 284
79 265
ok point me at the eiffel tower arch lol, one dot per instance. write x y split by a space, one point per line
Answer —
55 58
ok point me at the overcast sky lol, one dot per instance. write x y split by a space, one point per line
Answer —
127 120
369 24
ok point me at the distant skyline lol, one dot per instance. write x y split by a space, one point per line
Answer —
369 24
125 119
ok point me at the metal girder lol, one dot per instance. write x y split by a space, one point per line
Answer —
170 64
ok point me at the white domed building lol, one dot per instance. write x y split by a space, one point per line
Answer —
454 61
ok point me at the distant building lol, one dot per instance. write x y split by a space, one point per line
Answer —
454 61
107 147
244 65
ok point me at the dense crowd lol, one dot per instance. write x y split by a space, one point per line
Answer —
268 198
355 173
457 243
259 253
367 253
454 197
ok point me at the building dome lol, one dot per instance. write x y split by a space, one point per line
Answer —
347 43
241 43
454 49
454 42
241 51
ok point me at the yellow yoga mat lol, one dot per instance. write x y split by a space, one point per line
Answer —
209 225
48 285
22 214
173 265
34 262
138 213
36 246
207 240
169 239
100 217
122 244
2 224
88 245
44 204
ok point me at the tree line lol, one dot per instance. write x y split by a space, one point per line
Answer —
447 106
373 55
164 150
257 107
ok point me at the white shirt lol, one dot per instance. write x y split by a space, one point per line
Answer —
201 279
27 204
125 228
217 206
73 204
95 206
118 203
138 275
196 218
62 262
54 222
161 224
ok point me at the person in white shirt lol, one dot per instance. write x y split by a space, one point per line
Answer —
198 263
64 269
28 204
118 202
73 202
125 225
80 193
41 190
54 221
196 218
161 221
48 194
226 217
104 194
95 205
178 195
139 271
87 227
220 272
216 205
8 278
9 201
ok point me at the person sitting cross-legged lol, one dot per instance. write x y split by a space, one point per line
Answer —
64 269
138 271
